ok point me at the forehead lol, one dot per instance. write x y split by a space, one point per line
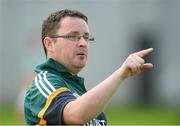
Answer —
69 24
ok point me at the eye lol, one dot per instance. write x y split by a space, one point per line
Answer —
86 37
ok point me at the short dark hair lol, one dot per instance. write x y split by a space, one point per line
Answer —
52 23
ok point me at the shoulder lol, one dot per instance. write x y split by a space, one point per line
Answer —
44 84
47 92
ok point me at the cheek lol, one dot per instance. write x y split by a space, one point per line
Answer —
58 50
66 52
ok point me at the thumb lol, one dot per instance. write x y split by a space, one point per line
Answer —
147 66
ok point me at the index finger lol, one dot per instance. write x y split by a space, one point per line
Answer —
145 52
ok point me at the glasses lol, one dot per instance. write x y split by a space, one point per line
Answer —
76 38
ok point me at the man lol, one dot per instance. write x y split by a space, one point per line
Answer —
57 95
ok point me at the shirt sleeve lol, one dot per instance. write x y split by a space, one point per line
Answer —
54 112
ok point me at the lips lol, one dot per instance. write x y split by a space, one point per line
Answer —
81 53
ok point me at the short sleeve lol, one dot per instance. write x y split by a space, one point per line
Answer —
54 112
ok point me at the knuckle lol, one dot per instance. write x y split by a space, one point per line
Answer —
143 61
131 56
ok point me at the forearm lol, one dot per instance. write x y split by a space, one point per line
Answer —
89 105
94 101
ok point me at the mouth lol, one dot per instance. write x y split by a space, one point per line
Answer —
82 54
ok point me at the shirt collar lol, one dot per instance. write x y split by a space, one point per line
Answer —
55 67
52 65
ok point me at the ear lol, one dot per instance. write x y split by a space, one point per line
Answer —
49 44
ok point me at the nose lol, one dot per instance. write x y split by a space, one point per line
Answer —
82 42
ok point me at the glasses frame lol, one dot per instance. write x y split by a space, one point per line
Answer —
76 38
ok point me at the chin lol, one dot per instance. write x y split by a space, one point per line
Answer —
81 64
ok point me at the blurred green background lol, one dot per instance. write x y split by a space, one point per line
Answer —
116 115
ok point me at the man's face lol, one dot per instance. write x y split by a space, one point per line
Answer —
72 54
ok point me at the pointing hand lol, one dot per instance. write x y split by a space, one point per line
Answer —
135 63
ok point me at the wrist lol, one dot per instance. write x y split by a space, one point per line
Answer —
122 74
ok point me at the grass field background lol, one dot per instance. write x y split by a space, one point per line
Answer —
116 115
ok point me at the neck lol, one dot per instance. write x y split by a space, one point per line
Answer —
72 69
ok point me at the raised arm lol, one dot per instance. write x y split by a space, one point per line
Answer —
92 103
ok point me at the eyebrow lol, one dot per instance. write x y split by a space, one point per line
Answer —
77 32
